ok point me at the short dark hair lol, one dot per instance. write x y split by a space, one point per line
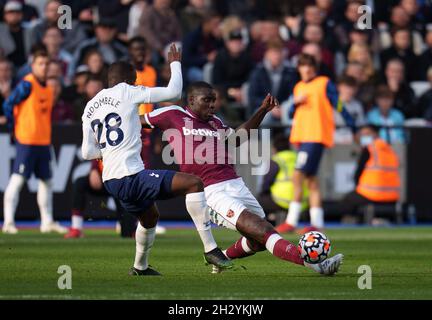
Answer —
39 53
198 85
138 39
348 81
94 77
307 60
121 71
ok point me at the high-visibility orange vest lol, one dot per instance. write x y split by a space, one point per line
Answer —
147 77
380 179
313 120
33 115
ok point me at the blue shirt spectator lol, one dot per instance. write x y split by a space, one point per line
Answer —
385 115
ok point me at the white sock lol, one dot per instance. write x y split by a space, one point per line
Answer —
294 212
77 222
196 205
271 242
317 217
44 200
11 197
144 242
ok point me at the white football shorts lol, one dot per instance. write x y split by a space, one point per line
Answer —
227 199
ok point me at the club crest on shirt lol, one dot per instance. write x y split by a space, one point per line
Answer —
230 213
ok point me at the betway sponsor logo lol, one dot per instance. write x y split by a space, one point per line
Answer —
201 132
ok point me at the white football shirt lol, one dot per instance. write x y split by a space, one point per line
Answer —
112 127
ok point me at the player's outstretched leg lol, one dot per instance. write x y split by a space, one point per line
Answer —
192 187
255 227
144 237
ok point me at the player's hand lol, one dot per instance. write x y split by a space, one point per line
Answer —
174 54
269 103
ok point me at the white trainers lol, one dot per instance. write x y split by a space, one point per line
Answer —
10 228
329 266
160 229
53 227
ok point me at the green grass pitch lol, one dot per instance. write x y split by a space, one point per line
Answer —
400 259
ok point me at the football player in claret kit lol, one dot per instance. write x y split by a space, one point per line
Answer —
111 132
232 204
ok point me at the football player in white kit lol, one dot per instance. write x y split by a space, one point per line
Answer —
112 132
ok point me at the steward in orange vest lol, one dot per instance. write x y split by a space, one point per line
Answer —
377 175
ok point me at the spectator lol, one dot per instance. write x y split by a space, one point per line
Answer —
15 37
313 33
347 88
314 50
104 41
386 116
261 33
93 85
6 85
346 25
95 63
200 47
400 19
193 15
55 70
424 106
232 67
361 53
403 94
375 184
425 60
273 76
159 25
30 12
366 86
118 10
53 39
401 49
74 92
62 110
72 37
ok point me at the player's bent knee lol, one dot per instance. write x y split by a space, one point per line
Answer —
196 185
253 226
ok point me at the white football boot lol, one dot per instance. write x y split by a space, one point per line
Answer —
329 266
10 228
53 227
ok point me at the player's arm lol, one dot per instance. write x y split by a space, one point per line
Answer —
19 94
90 147
266 106
160 94
159 118
337 104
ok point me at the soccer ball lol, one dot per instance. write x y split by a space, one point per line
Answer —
314 247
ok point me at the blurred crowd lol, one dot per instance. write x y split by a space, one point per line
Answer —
245 48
